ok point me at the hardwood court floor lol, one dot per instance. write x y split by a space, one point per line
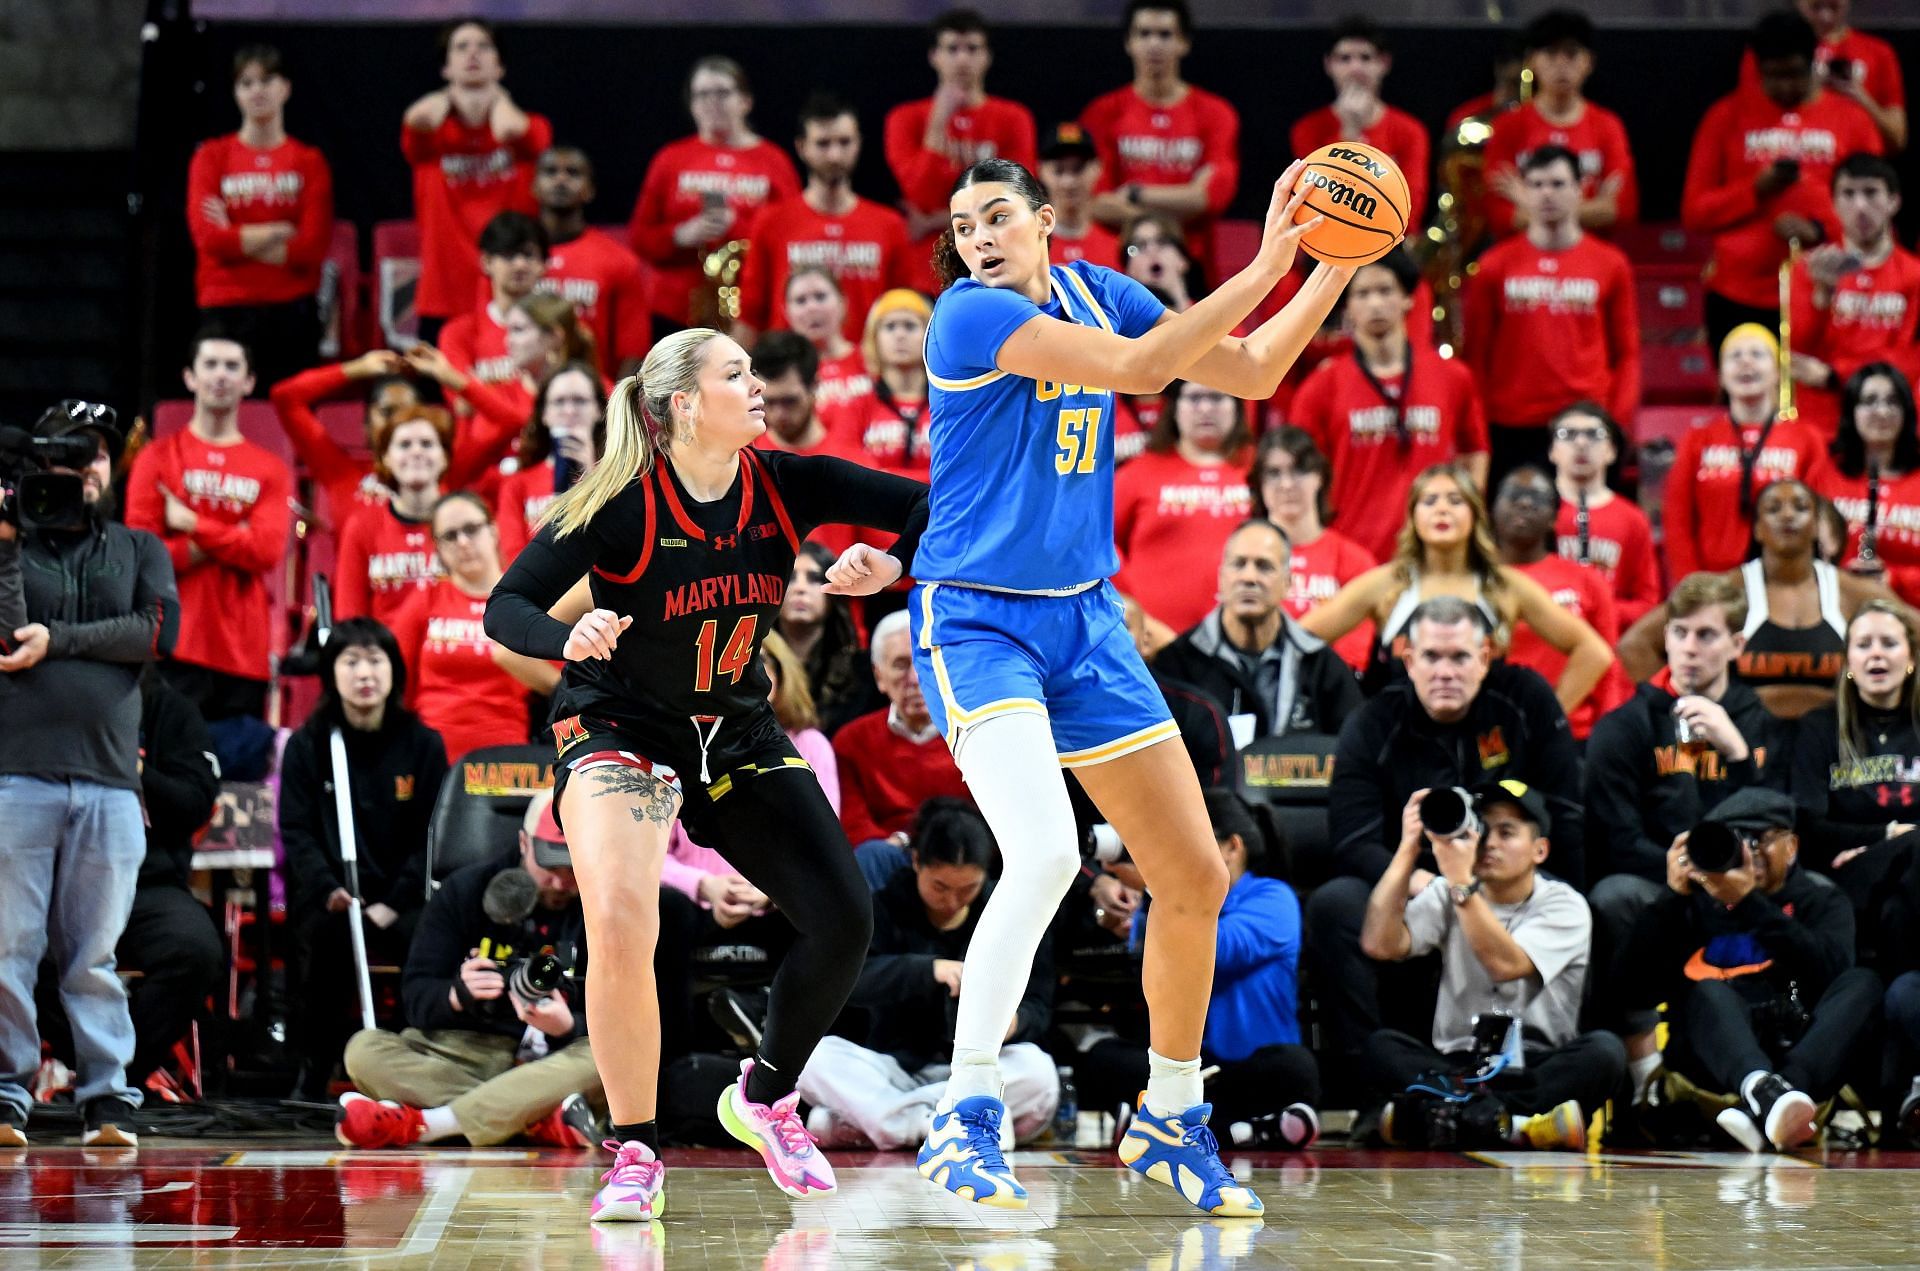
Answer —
196 1205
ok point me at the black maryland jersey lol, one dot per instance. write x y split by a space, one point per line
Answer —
703 582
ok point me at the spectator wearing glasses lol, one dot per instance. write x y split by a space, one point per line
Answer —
1871 476
1595 526
1289 487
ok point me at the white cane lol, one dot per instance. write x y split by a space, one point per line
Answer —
343 814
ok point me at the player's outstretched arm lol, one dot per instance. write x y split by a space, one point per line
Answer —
1253 367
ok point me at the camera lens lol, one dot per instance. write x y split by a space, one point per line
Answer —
1448 813
1714 849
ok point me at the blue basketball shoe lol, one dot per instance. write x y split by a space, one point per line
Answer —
962 1154
1181 1152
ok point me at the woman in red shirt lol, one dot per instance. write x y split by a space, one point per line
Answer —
1176 505
1288 481
346 478
260 209
817 309
890 423
1872 476
386 549
562 442
461 684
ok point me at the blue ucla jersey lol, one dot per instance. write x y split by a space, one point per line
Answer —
1022 469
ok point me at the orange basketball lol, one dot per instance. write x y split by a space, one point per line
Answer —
1363 195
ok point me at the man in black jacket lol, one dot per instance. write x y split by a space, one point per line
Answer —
1755 962
1270 677
1457 720
486 1054
83 606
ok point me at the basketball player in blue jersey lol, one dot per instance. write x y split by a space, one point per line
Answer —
1025 643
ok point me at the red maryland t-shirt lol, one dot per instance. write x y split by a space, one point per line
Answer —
384 558
1706 526
1098 244
287 182
1582 592
608 288
681 177
1896 521
1742 135
1619 549
476 343
1876 67
1598 140
242 496
1352 420
996 128
1146 144
519 504
452 681
888 433
1870 317
865 249
1316 571
1171 521
1545 329
463 176
841 380
1400 135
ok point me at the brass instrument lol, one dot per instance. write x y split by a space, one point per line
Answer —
1446 251
1787 408
716 301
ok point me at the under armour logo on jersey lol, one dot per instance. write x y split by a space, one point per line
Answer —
725 542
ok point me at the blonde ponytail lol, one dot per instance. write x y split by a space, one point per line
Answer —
639 424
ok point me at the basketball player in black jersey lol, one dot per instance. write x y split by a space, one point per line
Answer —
686 535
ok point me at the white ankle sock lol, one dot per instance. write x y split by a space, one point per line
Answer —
1173 1085
440 1124
974 1073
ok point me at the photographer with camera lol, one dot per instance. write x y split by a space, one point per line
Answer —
495 997
84 604
1754 958
1506 1061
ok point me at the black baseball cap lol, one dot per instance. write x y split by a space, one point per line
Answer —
1532 805
1063 140
75 415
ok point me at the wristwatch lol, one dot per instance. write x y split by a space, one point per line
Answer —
1462 893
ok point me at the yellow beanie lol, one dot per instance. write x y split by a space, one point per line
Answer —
1764 334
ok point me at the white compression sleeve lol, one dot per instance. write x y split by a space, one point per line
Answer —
1013 772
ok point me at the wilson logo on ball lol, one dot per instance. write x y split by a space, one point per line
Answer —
1340 194
1359 159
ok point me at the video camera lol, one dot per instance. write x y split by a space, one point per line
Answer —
32 495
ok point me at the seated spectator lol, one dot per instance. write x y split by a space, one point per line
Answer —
891 761
222 506
561 444
924 915
817 309
1550 318
862 242
1265 1083
1761 174
346 479
589 268
1513 967
1357 61
1856 301
513 258
889 425
482 1057
1269 677
1596 526
789 366
386 548
1560 54
1872 473
463 686
1289 484
1201 719
472 150
1070 169
1165 145
1156 257
1754 958
1523 515
395 766
1456 720
260 209
819 629
1175 506
702 191
1853 64
1390 411
931 141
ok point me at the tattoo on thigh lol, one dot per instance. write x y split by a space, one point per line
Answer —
656 799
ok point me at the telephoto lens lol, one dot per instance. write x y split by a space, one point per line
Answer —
533 978
1448 813
1714 849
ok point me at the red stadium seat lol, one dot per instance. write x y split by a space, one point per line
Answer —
342 295
1672 302
1235 244
396 278
1676 374
259 423
1663 243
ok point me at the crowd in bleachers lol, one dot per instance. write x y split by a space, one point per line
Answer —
1446 554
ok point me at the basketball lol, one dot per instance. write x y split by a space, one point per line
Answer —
1364 197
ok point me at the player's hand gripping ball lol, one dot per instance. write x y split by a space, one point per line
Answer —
1363 196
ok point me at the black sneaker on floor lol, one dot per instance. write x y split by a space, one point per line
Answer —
109 1123
13 1129
1289 1130
1772 1112
741 1015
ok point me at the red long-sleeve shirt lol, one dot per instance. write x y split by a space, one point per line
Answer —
1876 67
453 683
865 249
1598 140
287 182
1619 549
1742 135
608 289
1582 592
680 177
842 380
348 481
384 558
1873 315
241 494
519 505
996 128
1315 571
1545 329
1705 525
1399 134
1171 521
1141 143
476 343
889 434
462 176
1896 521
885 777
1354 427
